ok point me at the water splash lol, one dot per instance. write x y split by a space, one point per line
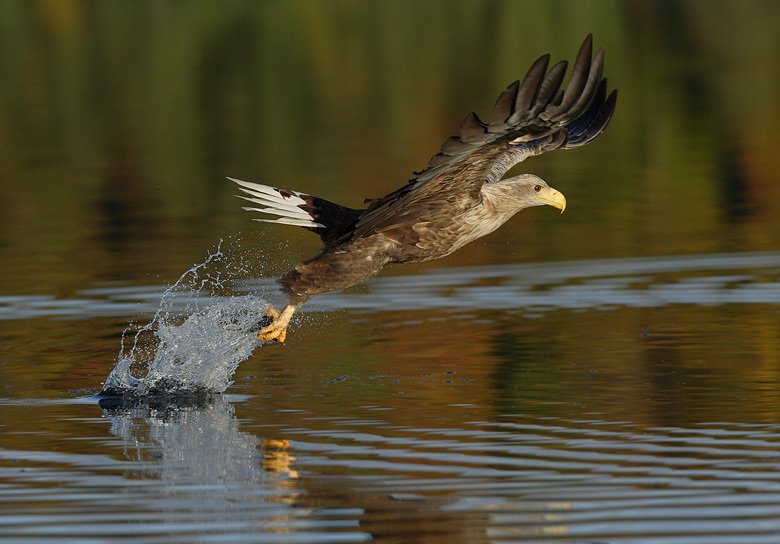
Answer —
196 339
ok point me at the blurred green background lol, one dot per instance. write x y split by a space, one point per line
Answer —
120 120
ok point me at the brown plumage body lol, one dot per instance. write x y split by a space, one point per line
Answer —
458 198
421 234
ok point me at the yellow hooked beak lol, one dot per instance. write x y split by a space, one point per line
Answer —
551 197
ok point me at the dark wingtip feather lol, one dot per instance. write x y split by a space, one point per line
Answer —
588 40
538 106
592 81
579 73
604 116
530 86
594 121
579 125
550 85
472 129
505 105
580 107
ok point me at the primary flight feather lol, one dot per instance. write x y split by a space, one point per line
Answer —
458 198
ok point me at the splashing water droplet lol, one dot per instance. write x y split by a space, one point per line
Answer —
190 351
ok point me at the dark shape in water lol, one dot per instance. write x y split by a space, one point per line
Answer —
165 394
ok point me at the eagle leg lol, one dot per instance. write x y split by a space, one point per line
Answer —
277 330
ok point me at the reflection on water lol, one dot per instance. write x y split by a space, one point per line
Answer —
204 475
747 278
192 446
119 123
183 472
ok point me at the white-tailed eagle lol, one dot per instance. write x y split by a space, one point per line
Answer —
458 198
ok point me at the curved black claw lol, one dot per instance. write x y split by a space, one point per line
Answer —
264 322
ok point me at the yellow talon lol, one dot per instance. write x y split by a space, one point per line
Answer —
277 330
271 312
277 444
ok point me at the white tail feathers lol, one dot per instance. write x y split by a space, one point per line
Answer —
283 203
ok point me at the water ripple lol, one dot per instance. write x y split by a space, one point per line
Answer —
203 475
716 279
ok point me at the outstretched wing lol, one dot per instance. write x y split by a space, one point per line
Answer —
529 118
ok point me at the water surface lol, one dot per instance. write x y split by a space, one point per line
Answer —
609 375
644 411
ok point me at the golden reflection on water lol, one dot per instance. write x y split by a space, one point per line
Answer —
654 366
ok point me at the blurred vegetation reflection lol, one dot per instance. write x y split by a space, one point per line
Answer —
120 120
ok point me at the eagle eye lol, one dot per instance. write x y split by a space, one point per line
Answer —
537 188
